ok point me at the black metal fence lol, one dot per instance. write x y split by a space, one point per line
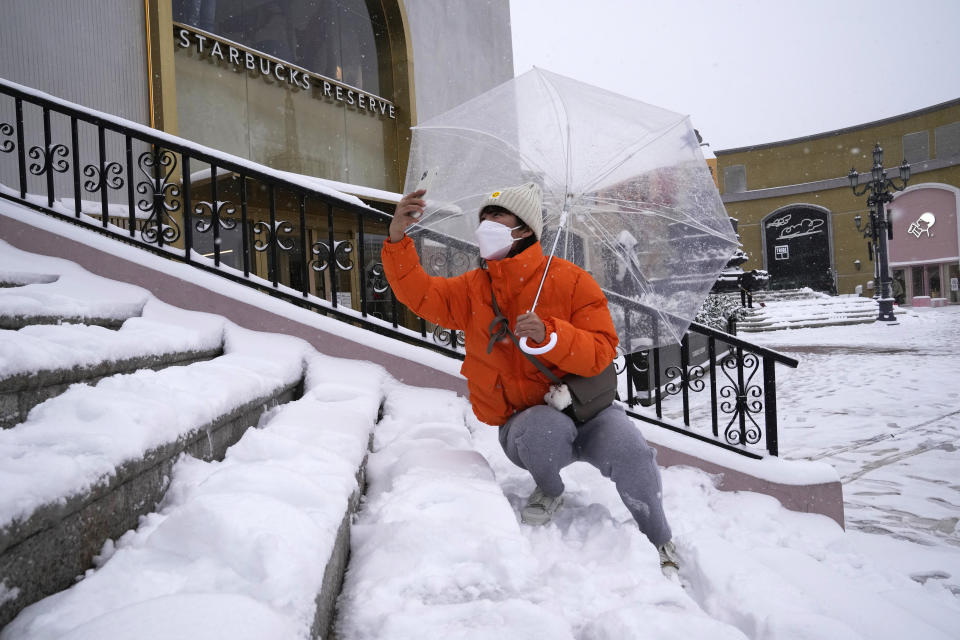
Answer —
290 237
713 386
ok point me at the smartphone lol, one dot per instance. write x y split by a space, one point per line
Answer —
426 179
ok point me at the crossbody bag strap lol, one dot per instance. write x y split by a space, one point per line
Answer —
501 327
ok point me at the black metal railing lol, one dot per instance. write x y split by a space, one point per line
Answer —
713 386
240 220
284 235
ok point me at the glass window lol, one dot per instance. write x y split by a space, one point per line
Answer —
334 38
933 277
947 140
919 288
953 276
916 146
735 179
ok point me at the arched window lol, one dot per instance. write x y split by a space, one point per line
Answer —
333 38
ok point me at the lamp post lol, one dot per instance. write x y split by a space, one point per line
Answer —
879 229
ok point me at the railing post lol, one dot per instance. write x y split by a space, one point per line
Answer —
131 199
77 192
272 237
770 405
244 223
363 265
48 155
215 215
685 376
102 158
305 263
158 194
187 204
332 265
22 155
714 418
741 397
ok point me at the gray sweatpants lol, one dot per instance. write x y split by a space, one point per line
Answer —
543 441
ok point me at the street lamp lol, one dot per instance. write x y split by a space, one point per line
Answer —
879 229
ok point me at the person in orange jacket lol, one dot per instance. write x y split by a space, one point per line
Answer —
506 389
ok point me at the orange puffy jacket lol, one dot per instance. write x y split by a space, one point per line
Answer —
505 381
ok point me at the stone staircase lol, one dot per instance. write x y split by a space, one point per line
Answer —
803 308
101 397
150 372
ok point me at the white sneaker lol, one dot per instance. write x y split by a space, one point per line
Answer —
540 508
669 560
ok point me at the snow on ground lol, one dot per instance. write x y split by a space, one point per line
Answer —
881 404
438 551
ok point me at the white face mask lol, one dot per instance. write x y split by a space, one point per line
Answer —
495 239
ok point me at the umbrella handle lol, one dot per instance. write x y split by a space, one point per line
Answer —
538 350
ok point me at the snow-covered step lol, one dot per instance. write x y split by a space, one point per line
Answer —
438 550
52 291
806 324
250 547
806 308
88 463
39 362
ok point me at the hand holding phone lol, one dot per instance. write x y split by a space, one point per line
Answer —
426 180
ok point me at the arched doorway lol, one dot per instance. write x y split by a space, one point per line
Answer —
797 242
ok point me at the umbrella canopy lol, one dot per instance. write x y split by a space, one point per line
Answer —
627 193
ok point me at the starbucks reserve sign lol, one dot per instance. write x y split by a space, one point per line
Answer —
246 60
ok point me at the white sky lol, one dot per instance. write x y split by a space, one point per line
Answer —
751 71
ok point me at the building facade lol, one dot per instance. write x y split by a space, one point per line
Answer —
322 88
798 217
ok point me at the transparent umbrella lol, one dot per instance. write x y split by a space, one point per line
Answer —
627 193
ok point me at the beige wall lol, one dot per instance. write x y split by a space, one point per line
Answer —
832 154
777 173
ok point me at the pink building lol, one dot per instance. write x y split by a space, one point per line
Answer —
925 250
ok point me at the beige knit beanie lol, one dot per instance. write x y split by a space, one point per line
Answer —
523 201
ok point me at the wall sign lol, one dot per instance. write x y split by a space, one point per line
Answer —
790 228
246 59
922 225
781 252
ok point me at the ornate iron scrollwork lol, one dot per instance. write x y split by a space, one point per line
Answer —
341 254
450 261
691 378
49 162
744 399
111 177
272 235
158 166
6 129
449 337
378 278
223 211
